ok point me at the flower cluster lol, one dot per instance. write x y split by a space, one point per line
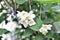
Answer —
18 21
44 29
10 26
6 37
26 18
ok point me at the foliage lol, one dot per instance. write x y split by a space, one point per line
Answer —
45 12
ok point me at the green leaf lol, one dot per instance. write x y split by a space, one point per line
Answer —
57 25
27 32
48 20
2 17
47 1
39 37
2 31
20 1
57 18
37 26
49 35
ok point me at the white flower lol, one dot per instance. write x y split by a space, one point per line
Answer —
26 18
4 11
22 30
18 15
6 37
23 37
43 31
26 15
31 22
1 13
10 26
31 15
48 27
22 14
19 26
24 22
9 18
2 24
2 2
33 37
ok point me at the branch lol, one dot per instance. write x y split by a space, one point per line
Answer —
29 4
14 8
9 6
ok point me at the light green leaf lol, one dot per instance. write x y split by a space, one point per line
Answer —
20 1
57 25
57 18
39 37
49 35
2 31
48 20
27 32
47 1
37 26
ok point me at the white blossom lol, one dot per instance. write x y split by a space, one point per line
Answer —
1 13
2 2
4 11
31 22
24 22
23 37
6 37
26 15
9 18
11 26
22 14
33 36
2 24
26 18
48 27
31 15
44 29
22 30
19 26
18 15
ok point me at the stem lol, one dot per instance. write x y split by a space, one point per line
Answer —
9 6
42 12
14 1
29 4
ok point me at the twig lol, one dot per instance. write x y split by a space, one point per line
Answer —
9 6
29 4
42 12
14 1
